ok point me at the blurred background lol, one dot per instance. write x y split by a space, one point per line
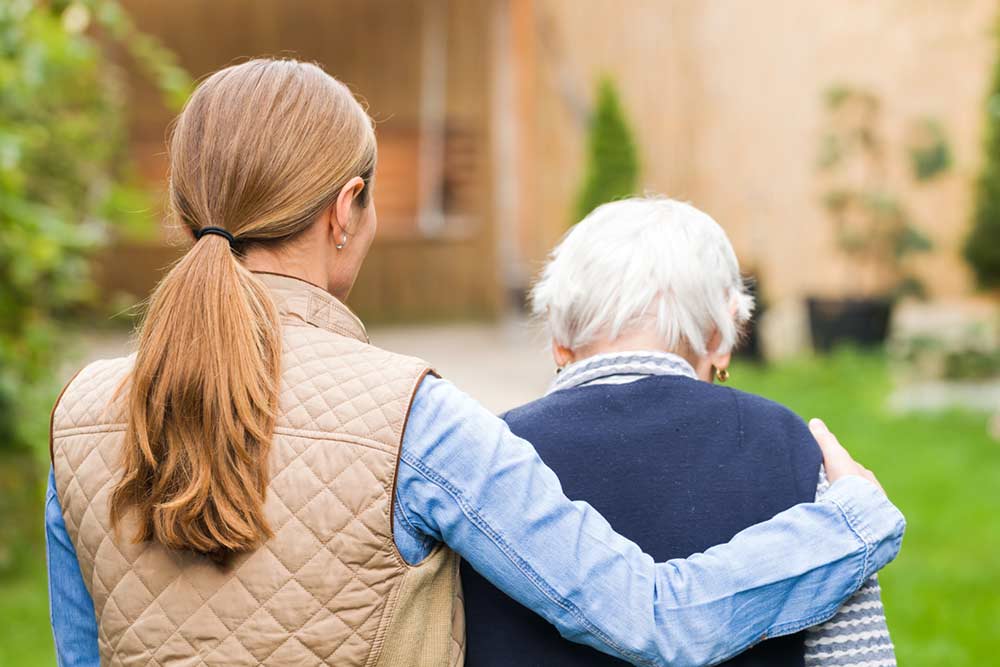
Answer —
850 149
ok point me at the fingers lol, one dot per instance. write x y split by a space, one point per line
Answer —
833 452
836 459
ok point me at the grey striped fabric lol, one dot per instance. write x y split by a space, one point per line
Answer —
857 635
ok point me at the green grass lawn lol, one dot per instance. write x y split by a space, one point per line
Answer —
25 638
942 595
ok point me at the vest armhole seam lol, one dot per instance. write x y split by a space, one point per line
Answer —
52 416
393 548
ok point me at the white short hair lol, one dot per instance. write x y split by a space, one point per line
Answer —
641 262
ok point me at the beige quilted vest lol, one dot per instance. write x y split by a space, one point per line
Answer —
330 587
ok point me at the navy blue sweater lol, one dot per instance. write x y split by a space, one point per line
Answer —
677 466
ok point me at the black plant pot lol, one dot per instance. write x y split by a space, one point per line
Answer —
861 322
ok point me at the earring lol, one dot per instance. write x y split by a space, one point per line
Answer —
343 242
721 374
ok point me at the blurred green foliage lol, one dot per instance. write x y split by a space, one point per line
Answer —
930 152
872 225
65 187
612 170
982 248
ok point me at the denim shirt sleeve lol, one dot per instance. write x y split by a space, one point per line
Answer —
71 610
466 480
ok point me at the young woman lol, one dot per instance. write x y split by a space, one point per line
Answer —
259 485
643 301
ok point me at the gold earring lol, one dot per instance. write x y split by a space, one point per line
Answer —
721 374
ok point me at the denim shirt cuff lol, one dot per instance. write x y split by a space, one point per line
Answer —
872 517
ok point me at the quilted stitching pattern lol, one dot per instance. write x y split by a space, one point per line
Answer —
314 594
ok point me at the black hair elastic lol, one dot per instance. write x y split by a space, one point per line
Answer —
218 231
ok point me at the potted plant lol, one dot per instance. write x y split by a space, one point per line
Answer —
872 228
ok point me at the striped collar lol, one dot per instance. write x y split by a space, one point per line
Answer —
621 367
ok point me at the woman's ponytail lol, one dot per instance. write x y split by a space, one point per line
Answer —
201 407
260 150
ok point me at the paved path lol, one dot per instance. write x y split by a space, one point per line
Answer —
503 364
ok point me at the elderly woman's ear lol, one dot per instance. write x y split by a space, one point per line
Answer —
714 365
562 356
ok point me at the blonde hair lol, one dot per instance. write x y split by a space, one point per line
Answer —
644 262
260 149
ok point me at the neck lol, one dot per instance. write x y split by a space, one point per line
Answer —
641 341
632 342
293 265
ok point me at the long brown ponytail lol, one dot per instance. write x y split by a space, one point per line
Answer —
261 149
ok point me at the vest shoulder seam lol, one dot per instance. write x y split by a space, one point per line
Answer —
93 428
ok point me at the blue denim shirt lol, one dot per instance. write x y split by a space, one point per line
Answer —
465 480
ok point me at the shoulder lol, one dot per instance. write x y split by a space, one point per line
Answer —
310 353
445 426
99 374
84 399
763 412
436 397
762 426
752 410
551 403
568 411
768 424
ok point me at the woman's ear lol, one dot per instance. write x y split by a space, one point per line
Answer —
563 356
345 211
722 361
707 365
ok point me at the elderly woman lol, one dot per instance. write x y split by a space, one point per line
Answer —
644 303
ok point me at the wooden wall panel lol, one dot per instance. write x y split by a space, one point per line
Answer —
375 47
